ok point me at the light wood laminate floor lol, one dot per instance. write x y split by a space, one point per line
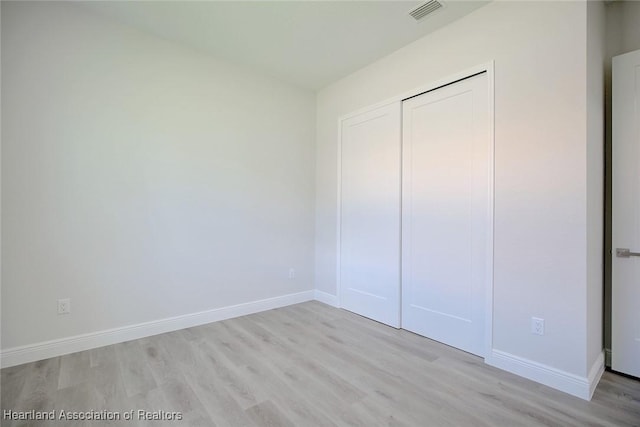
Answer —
303 365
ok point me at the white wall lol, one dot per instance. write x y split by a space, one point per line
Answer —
142 179
596 58
540 165
623 31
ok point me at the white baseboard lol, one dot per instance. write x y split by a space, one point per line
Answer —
44 350
326 298
582 387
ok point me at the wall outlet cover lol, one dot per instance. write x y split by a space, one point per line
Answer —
64 306
537 326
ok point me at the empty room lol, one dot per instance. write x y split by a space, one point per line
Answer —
320 213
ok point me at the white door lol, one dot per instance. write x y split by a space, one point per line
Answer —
447 213
370 214
625 309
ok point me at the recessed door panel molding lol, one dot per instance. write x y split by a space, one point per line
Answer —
625 312
369 252
447 213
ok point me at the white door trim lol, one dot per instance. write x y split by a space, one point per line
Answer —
489 69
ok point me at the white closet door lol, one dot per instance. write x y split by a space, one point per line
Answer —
370 214
447 213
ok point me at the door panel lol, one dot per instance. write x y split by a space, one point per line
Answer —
447 213
370 215
625 310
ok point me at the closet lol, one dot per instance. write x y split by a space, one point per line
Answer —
416 212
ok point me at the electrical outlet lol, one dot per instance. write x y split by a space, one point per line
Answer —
537 326
64 306
292 273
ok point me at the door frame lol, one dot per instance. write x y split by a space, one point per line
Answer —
488 68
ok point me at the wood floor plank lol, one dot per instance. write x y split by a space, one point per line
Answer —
135 371
76 398
344 391
219 404
148 401
267 414
108 388
386 373
162 365
74 369
264 381
12 381
359 369
38 388
102 356
233 379
295 377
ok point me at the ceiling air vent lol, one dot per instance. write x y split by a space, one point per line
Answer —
424 9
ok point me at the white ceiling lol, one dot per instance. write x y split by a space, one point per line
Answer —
306 43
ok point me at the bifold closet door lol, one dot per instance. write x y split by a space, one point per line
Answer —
447 213
370 214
